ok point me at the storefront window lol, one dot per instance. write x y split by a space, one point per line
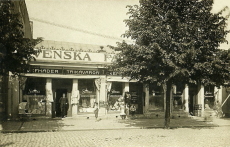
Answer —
209 97
34 96
177 101
115 96
87 95
156 99
178 97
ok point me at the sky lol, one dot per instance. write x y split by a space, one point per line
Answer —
101 17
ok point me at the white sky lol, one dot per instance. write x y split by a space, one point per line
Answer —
97 16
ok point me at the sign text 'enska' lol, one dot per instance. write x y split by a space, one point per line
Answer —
74 56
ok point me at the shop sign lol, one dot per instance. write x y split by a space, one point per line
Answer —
45 70
82 72
63 55
112 73
65 71
85 91
134 97
209 94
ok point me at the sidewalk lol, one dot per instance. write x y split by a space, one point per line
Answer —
108 122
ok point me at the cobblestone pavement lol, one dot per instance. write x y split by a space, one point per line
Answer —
182 137
83 123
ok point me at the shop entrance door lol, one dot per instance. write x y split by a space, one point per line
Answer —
59 93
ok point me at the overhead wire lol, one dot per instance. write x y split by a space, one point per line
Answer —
77 29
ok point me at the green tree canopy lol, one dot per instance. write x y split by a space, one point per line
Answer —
174 39
15 49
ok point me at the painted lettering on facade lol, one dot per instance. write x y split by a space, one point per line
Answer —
83 72
48 71
62 55
62 70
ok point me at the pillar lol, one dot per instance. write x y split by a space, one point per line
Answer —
103 96
200 97
14 96
185 98
49 96
98 86
146 91
9 100
125 88
75 96
218 94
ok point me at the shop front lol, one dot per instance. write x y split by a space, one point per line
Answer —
75 70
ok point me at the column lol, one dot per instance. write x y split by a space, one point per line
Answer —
49 97
146 90
185 98
98 86
75 96
14 98
218 94
200 97
103 96
125 88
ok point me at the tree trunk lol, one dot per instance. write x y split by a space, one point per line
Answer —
168 91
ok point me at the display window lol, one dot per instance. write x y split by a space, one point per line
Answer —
156 98
209 97
88 97
34 96
115 96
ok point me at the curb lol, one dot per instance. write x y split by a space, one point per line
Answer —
92 129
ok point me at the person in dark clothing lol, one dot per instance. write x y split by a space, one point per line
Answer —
63 105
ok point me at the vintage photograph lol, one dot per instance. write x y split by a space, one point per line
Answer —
114 73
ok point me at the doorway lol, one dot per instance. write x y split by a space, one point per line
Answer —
59 93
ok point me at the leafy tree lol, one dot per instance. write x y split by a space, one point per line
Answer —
15 49
175 40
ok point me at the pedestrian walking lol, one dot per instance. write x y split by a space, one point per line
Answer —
63 105
96 110
132 110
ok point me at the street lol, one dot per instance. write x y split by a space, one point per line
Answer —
182 137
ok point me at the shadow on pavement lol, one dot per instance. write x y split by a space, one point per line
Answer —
31 125
174 123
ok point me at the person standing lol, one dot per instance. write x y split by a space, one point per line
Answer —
96 110
63 105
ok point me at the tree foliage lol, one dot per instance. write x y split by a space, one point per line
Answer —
174 40
15 49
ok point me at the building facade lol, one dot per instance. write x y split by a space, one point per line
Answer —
80 72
